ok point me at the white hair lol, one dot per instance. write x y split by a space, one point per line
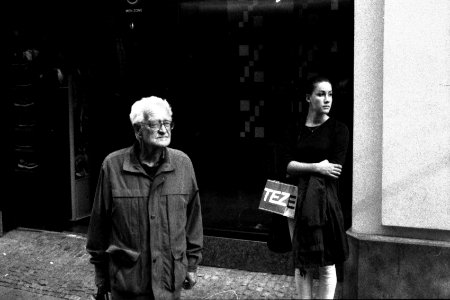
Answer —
141 109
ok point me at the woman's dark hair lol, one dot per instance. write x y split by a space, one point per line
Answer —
311 83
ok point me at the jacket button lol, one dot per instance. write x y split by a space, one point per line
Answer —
152 217
154 260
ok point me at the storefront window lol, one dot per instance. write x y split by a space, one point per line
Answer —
239 74
233 72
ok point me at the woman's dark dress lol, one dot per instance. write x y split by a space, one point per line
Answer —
324 243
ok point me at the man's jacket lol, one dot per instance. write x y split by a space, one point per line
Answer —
145 234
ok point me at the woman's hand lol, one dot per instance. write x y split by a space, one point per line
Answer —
328 169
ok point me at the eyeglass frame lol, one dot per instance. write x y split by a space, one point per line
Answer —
168 125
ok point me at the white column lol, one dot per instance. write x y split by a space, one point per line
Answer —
416 114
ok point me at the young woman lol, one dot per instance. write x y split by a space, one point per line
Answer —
316 155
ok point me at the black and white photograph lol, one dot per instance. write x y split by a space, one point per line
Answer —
225 149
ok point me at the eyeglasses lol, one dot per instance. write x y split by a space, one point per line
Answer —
157 125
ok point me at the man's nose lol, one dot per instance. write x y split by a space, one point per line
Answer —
162 128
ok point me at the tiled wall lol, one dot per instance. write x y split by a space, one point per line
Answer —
279 45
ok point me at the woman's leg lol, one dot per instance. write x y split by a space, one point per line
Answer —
327 282
291 224
304 284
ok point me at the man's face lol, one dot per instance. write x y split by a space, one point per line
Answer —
154 132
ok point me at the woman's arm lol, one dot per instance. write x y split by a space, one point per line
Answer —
324 168
340 144
332 166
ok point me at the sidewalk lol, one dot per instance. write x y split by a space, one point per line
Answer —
45 265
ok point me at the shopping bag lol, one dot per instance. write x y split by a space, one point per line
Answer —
279 239
279 198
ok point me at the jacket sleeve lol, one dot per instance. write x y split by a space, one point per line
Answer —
194 226
99 228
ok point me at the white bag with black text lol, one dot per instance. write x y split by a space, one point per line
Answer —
279 198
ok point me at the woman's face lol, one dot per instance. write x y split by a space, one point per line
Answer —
321 98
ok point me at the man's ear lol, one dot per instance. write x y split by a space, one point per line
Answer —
137 131
308 98
138 134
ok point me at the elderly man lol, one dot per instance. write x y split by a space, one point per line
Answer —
145 236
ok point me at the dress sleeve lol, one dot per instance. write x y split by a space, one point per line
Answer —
340 144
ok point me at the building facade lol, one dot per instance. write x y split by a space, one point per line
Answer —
400 238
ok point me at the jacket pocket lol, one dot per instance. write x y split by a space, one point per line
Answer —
127 211
125 269
122 256
177 202
179 270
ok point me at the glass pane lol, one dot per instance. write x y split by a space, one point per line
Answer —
241 65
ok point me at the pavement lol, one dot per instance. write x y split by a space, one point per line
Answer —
46 265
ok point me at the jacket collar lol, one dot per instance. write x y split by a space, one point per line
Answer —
131 162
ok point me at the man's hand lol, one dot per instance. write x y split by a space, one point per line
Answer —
102 292
190 280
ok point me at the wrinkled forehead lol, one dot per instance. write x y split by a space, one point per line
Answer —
156 113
